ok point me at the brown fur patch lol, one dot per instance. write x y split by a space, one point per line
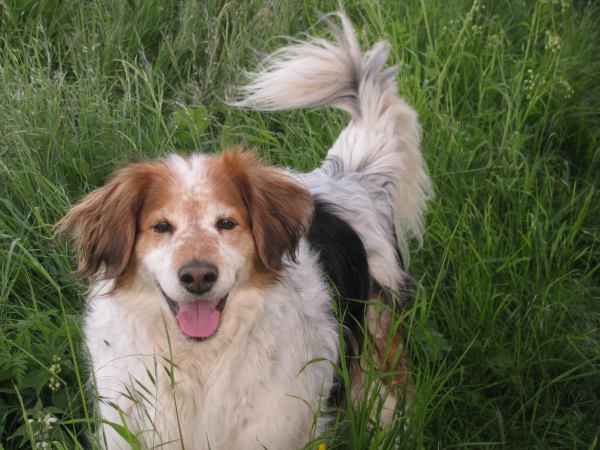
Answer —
279 207
387 350
104 224
390 349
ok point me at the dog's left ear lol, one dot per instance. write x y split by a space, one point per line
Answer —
280 208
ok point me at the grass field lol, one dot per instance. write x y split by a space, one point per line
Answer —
504 323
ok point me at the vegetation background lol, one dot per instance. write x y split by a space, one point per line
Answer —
503 326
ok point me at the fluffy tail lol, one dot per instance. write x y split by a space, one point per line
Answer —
382 139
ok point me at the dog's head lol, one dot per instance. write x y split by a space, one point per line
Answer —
196 228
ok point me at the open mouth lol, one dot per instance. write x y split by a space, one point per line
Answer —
198 320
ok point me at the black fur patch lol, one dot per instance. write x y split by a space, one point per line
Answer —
344 260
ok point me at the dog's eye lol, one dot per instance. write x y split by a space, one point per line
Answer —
226 224
162 227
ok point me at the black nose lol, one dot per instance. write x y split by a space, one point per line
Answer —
198 276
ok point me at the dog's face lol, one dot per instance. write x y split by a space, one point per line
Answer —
195 228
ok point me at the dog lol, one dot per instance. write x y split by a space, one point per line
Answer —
211 315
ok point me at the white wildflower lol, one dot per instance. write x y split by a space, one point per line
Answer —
552 42
529 84
55 369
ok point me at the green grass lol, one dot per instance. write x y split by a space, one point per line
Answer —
504 324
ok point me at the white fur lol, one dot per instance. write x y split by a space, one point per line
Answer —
251 385
262 379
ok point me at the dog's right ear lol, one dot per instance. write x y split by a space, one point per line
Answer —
104 224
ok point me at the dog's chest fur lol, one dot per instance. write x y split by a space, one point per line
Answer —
247 388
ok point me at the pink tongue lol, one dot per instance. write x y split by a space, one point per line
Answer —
198 319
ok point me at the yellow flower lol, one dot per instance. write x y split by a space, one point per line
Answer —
322 446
